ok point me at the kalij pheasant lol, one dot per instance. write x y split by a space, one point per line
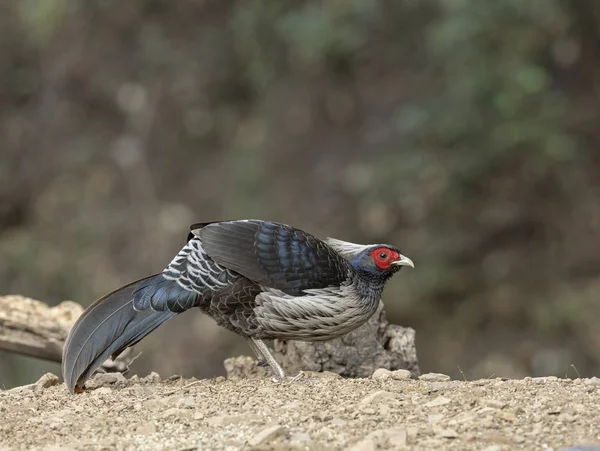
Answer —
259 279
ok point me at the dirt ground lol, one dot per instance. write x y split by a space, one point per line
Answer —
387 411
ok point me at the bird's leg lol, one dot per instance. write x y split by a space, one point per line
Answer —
262 348
259 355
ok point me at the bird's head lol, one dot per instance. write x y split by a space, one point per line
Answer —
378 260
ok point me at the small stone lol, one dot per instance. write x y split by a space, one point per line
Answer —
494 403
300 437
593 382
220 420
146 429
102 391
395 437
47 380
433 419
267 435
544 379
434 377
224 420
566 417
401 374
507 416
153 377
492 448
382 373
448 433
439 401
377 397
101 379
186 401
173 412
137 406
412 431
338 422
198 415
53 448
581 448
365 444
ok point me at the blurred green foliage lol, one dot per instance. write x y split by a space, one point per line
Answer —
464 131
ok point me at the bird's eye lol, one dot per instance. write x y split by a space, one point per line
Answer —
383 255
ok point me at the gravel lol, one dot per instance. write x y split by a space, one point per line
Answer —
320 411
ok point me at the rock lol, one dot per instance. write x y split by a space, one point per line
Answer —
267 435
401 374
153 378
174 412
434 377
300 437
439 401
507 416
102 391
377 397
174 377
433 419
382 373
493 403
146 429
582 448
447 433
366 444
224 420
186 401
55 448
566 417
46 381
220 420
492 448
594 382
102 379
395 437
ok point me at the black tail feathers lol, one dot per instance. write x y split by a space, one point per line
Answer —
119 320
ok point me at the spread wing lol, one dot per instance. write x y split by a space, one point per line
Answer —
273 254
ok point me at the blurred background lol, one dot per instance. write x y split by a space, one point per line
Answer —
463 131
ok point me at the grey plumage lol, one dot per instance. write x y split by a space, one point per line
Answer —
259 279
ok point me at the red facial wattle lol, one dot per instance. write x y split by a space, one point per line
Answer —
383 257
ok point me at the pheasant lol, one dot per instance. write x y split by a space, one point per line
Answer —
259 279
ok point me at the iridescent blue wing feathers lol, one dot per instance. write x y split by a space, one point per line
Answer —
273 255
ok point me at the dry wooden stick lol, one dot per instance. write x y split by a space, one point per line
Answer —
32 328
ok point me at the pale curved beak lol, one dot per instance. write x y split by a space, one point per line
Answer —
403 261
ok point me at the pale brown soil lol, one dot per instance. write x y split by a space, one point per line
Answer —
328 413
